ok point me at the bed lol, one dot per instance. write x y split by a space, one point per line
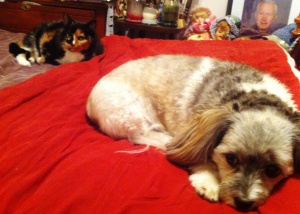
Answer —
54 161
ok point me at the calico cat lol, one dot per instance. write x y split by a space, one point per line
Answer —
58 42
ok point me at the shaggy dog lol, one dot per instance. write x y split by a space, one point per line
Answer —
234 128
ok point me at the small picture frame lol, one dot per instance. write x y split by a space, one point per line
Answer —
287 11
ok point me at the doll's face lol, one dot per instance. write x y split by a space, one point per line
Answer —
222 31
200 16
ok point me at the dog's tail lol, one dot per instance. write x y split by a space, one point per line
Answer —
153 138
156 138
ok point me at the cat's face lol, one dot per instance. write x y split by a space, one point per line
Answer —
78 36
76 40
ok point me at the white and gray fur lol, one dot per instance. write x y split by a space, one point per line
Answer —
234 128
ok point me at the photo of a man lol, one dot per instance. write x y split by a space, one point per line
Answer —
265 15
262 17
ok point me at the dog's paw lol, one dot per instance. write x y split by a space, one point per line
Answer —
206 185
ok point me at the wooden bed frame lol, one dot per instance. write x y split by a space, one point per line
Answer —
17 16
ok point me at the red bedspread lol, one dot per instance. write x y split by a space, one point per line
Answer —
53 161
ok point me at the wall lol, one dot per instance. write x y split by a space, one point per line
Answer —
217 7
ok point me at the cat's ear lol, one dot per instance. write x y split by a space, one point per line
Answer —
92 24
68 19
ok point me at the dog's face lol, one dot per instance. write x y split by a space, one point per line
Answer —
255 153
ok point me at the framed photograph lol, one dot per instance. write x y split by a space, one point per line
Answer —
263 17
287 11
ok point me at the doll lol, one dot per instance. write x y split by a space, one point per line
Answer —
120 8
226 28
200 21
222 31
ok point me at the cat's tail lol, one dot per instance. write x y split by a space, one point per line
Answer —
15 49
23 56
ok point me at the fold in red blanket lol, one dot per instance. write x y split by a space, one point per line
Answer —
53 161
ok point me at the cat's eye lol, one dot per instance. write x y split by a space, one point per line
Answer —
81 38
272 171
231 159
68 37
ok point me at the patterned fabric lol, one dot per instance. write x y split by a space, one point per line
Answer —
285 33
10 71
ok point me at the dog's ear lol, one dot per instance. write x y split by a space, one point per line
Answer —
201 134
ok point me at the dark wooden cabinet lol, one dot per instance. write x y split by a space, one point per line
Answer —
18 16
139 30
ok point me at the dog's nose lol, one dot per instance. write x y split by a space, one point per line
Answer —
243 205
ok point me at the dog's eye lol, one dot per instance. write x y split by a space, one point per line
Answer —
231 160
272 171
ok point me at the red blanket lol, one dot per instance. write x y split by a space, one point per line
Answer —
53 161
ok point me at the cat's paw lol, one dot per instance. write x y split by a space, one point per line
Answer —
23 61
31 59
40 60
206 185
